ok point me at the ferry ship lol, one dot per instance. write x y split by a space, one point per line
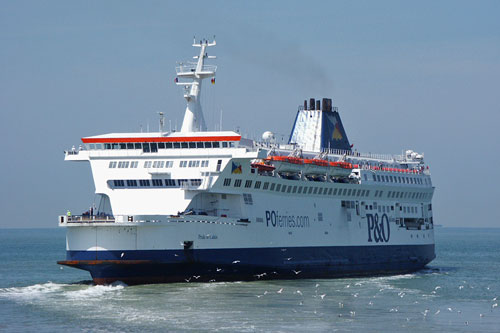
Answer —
199 205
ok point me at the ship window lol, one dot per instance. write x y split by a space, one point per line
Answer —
278 187
169 164
358 193
215 144
168 145
237 183
170 182
310 190
131 182
380 193
183 182
157 182
320 190
392 207
219 163
208 144
191 164
197 164
118 183
134 164
183 164
227 182
335 191
144 182
112 164
349 192
367 193
199 144
330 191
299 190
257 184
192 145
272 187
177 144
247 198
266 185
374 178
204 163
145 147
231 144
161 145
184 144
389 194
123 146
283 189
224 145
195 182
248 183
294 189
315 190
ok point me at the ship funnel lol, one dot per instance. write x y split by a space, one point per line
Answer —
317 131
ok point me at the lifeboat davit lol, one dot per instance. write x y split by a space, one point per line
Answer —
286 164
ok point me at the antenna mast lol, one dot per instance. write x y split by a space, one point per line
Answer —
196 72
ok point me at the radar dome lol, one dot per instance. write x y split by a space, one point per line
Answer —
268 136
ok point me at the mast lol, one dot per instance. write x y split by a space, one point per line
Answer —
195 73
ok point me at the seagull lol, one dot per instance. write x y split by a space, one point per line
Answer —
196 276
461 287
296 272
341 305
219 269
450 309
317 285
176 255
355 295
494 305
426 311
349 286
187 280
123 253
266 292
259 296
213 280
353 313
438 287
437 312
481 315
494 299
236 261
283 250
370 303
289 258
280 291
298 292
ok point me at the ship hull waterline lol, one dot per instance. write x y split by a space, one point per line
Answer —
249 264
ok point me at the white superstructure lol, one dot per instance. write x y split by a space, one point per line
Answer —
216 205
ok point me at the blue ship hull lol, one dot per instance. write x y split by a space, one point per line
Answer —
244 264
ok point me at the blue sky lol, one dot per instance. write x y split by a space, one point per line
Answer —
405 75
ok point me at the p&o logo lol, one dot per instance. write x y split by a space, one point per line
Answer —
379 230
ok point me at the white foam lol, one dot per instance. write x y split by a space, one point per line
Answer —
31 292
94 291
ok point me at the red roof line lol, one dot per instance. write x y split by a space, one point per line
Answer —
162 139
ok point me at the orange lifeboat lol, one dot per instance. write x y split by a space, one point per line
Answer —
286 164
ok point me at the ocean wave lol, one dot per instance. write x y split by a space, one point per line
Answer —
31 292
95 291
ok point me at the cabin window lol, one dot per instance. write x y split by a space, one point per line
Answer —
195 182
170 182
257 184
367 193
299 190
199 145
208 144
294 189
248 184
272 187
118 183
266 185
335 191
157 182
132 183
169 164
215 144
192 145
227 182
237 183
134 164
247 198
144 182
320 190
330 191
112 164
278 187
219 163
310 190
184 144
224 145
177 145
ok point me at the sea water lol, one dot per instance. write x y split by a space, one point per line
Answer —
459 291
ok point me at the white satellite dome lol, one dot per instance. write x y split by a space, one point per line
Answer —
268 136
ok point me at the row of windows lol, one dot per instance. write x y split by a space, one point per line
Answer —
159 164
193 164
398 179
325 191
152 147
131 183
